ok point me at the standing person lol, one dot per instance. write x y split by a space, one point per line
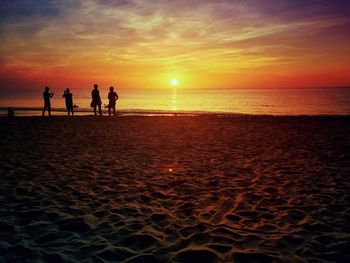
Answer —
10 112
112 97
96 99
47 94
69 101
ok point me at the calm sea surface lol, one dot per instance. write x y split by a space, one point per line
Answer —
242 101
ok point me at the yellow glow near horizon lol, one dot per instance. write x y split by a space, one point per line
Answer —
173 44
174 82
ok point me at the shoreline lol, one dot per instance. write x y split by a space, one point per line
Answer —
140 112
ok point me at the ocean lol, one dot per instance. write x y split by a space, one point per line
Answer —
321 101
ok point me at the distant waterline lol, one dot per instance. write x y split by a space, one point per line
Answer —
325 101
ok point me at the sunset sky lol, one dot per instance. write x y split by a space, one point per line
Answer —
202 44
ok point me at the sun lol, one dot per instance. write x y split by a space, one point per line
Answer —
174 82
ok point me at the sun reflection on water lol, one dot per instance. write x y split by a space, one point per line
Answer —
174 100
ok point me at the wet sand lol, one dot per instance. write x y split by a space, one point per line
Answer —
175 189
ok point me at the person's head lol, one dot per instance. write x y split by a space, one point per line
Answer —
67 90
95 86
111 88
47 88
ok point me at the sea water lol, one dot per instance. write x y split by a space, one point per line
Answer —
321 101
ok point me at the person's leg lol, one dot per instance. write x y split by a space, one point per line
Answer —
99 109
49 109
113 110
44 110
109 110
72 110
95 109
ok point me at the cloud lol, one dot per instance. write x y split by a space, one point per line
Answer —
23 9
96 35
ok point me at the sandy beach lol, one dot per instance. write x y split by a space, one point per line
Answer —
175 189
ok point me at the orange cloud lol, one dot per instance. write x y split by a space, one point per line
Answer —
140 44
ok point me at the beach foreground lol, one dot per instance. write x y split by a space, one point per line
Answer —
175 189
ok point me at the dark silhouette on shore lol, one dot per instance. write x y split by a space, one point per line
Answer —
47 95
69 101
10 112
96 100
112 99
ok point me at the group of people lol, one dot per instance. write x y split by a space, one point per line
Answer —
95 103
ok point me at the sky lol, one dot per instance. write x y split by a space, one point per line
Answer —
139 44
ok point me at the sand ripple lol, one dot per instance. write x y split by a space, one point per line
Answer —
175 189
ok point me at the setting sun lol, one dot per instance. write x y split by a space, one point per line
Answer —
201 130
174 82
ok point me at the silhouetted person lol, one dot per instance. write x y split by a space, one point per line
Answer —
10 112
96 100
47 104
112 98
69 101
